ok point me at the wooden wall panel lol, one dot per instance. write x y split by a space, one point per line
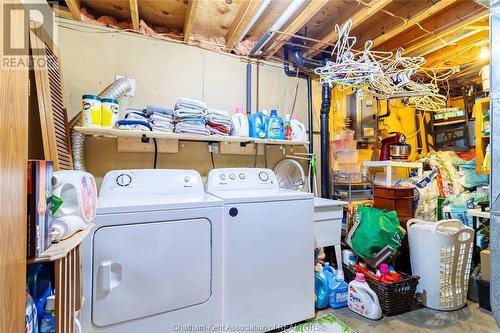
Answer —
13 156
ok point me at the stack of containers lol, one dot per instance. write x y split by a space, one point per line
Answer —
343 151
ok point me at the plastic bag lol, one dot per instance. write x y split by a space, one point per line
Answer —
377 229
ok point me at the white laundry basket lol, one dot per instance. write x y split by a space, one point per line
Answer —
441 254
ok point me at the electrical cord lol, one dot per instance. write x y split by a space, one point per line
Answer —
213 159
155 153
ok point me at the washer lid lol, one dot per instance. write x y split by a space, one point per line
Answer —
248 196
141 203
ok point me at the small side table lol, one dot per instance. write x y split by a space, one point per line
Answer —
480 220
389 165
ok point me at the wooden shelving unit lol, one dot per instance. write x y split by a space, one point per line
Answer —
118 133
67 278
481 106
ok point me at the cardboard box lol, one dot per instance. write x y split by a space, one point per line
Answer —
39 214
485 264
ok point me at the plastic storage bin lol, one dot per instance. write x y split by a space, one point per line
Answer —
344 134
441 253
343 144
347 156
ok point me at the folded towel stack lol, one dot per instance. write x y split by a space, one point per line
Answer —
218 122
135 119
189 117
161 119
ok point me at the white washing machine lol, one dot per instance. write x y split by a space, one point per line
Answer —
268 274
153 263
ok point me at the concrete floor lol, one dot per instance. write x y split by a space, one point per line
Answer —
470 319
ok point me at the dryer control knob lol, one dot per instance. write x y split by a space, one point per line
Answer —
123 180
263 176
232 176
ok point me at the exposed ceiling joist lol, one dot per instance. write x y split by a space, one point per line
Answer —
61 11
358 18
244 16
472 18
74 8
413 21
477 27
451 41
312 9
190 17
134 14
448 54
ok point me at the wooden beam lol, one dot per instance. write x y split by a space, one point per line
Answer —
358 18
451 52
305 16
472 18
477 27
413 21
61 11
243 17
190 16
134 14
74 8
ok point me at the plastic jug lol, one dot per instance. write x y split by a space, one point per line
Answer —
321 288
299 132
363 300
338 291
239 122
78 193
275 126
329 271
257 125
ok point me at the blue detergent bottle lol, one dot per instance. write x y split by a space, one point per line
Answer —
257 125
339 290
321 288
329 271
275 126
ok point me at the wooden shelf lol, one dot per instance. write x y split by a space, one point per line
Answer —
60 250
481 139
118 133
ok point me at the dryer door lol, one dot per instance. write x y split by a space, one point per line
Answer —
145 269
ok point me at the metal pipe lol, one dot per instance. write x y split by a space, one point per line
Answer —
291 9
303 61
326 96
249 88
295 73
310 124
254 19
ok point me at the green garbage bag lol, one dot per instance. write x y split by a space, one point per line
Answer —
377 229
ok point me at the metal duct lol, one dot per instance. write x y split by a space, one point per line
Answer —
117 89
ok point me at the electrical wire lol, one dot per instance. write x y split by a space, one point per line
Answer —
155 153
212 159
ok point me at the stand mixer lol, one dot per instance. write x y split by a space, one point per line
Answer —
395 148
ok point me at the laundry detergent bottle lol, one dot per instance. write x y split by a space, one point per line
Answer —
329 271
299 132
257 125
321 288
239 123
338 291
363 300
275 126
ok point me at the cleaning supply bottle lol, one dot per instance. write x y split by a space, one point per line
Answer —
239 122
288 128
486 123
48 322
338 291
257 125
299 132
275 126
329 271
321 288
30 318
363 300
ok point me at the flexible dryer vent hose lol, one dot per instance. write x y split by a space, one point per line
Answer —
116 90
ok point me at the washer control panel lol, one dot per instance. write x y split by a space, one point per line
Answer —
241 179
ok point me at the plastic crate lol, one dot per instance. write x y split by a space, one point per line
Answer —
395 298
